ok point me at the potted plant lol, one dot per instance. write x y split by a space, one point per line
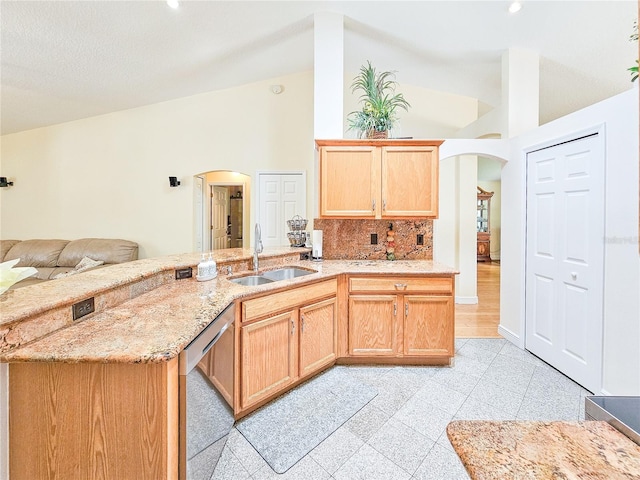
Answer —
379 103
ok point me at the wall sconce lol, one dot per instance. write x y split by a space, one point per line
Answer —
4 182
174 182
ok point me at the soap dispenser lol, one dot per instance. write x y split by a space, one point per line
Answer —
212 268
203 269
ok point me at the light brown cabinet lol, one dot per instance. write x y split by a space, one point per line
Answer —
269 362
401 317
93 420
378 178
296 338
372 325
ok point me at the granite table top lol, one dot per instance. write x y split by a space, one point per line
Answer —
524 450
157 325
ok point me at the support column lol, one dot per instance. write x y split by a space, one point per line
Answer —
520 91
328 75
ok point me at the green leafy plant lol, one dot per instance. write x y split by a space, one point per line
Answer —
379 102
634 38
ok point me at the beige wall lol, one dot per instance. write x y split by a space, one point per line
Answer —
107 176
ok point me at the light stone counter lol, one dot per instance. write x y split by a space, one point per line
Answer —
494 450
165 315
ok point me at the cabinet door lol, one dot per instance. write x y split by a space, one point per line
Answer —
410 182
318 336
269 356
428 326
372 325
349 181
220 364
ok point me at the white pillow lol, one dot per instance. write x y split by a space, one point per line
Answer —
85 264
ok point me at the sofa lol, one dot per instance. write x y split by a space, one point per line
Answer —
59 258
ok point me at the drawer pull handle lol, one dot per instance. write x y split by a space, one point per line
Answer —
401 285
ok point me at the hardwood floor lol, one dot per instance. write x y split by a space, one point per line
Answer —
482 320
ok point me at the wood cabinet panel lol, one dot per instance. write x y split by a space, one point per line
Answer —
96 421
440 285
318 336
428 326
409 182
381 179
219 359
372 323
349 181
276 302
269 356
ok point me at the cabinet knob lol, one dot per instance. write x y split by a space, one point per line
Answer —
574 275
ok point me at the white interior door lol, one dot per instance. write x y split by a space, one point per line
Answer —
219 212
565 255
281 197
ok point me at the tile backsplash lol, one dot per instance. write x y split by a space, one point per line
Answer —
346 239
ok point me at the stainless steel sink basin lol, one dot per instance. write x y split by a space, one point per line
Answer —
251 280
286 273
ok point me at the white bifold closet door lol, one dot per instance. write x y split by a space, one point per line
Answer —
565 257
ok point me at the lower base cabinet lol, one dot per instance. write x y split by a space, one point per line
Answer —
372 325
93 420
427 326
418 322
285 347
269 351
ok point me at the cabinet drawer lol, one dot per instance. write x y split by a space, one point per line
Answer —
276 302
437 285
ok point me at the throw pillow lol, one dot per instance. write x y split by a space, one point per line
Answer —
85 264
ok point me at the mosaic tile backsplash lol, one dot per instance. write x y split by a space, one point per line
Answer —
346 239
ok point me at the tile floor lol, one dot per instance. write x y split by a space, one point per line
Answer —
401 434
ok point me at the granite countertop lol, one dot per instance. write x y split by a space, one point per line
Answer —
544 450
158 324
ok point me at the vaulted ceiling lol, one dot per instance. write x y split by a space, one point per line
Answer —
65 60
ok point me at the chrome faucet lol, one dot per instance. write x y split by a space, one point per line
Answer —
257 247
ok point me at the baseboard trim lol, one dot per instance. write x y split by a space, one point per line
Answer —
466 300
512 337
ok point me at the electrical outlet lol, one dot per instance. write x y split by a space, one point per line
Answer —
374 239
420 239
85 307
186 272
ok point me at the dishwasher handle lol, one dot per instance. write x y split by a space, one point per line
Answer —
198 348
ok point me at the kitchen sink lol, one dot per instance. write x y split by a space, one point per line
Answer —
286 273
251 280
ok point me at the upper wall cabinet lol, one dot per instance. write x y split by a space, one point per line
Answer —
378 178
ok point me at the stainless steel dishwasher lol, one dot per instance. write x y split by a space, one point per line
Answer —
205 416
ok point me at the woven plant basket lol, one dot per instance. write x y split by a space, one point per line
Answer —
377 134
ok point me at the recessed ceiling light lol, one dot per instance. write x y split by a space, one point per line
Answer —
173 4
515 7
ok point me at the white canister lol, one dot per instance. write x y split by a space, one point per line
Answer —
316 240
